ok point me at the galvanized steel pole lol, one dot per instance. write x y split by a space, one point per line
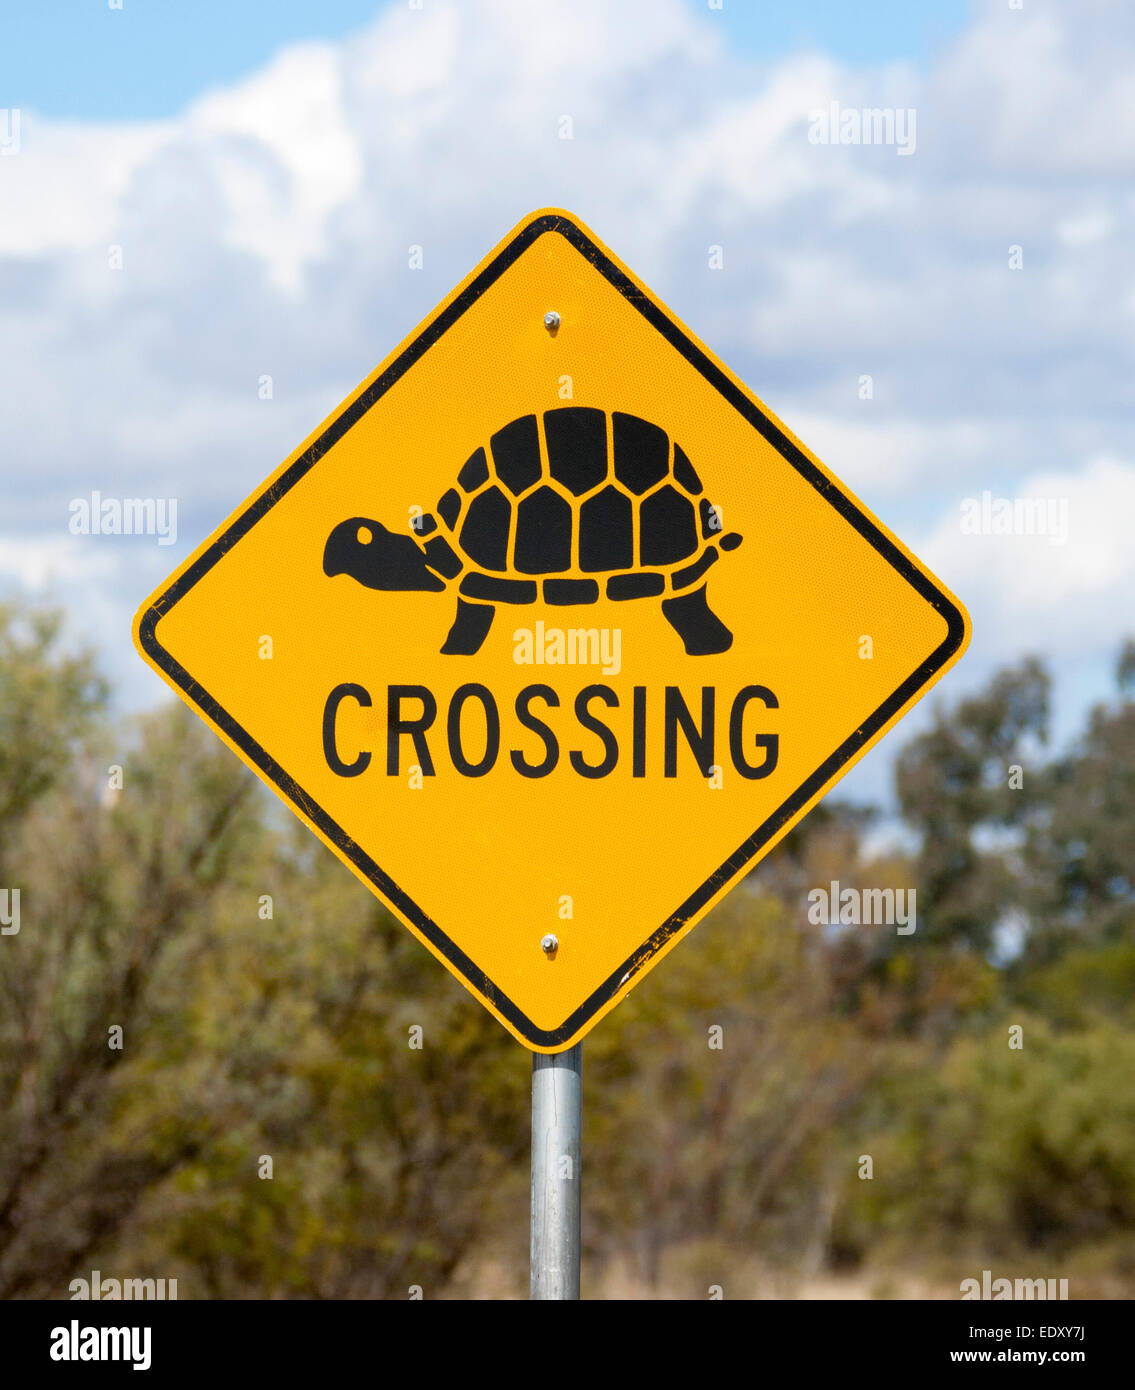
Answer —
557 1118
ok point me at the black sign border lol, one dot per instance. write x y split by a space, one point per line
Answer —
660 320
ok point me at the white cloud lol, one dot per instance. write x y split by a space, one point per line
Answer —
62 191
52 563
265 231
1085 229
1028 592
294 109
1047 88
876 455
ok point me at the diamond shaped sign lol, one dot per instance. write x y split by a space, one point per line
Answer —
551 630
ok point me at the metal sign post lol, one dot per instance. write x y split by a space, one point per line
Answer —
582 653
557 1118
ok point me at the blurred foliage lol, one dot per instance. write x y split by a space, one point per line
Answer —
268 1005
957 779
1005 1152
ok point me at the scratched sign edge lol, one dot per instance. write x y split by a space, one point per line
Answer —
347 414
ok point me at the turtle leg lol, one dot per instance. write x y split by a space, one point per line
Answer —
696 624
470 628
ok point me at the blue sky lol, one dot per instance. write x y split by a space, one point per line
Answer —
265 197
79 59
879 31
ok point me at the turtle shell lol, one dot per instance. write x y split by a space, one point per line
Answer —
599 494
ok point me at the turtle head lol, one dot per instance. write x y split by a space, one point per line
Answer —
378 558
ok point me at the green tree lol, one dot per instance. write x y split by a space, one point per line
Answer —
1080 855
159 1033
958 785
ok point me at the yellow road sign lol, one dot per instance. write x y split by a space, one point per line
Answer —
551 630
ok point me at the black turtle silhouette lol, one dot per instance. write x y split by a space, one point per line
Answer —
554 508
